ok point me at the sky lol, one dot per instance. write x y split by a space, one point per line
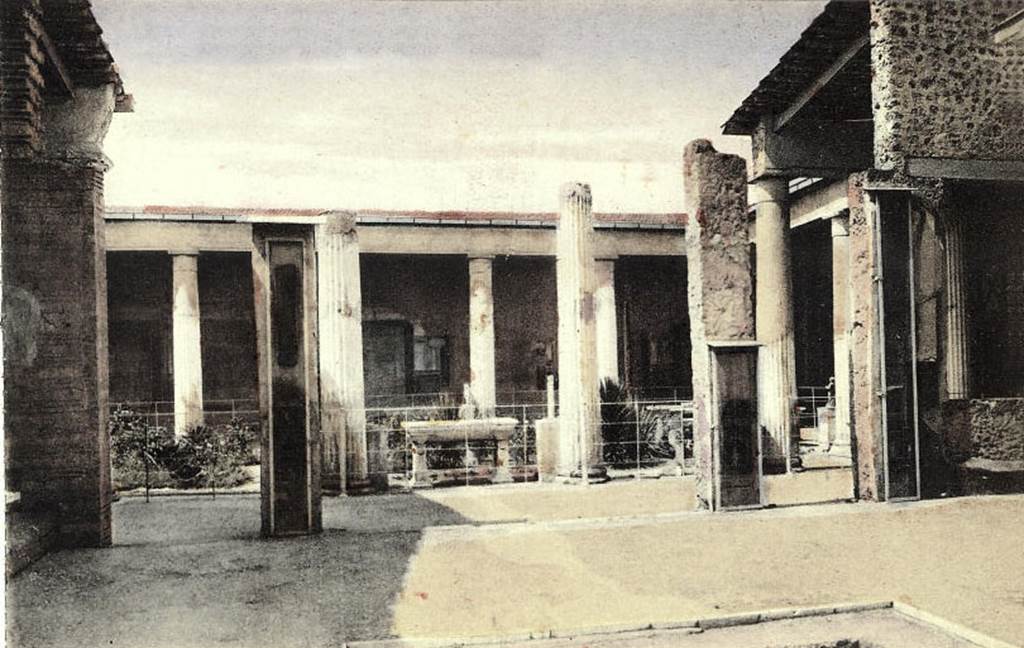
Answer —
429 105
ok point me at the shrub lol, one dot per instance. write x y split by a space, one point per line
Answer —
625 429
206 456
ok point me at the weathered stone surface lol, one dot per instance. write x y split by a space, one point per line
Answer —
985 429
481 334
719 281
865 415
941 86
187 344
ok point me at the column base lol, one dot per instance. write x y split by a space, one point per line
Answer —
362 486
330 485
595 475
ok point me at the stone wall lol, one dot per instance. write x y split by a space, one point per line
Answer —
984 429
941 86
525 323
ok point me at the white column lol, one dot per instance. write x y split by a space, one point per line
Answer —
957 358
579 414
607 330
339 302
774 318
841 331
187 348
481 335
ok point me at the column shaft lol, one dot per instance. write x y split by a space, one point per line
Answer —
606 324
340 323
481 335
957 358
579 411
841 331
774 319
187 346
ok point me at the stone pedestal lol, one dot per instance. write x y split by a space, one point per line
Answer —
186 343
775 365
579 413
840 436
340 334
606 321
481 335
718 283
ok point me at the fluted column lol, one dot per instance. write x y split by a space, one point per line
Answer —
776 369
841 331
579 413
340 325
187 346
957 352
481 334
606 321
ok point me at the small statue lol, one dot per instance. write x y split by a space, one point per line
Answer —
467 411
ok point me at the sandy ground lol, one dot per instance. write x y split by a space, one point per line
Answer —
460 562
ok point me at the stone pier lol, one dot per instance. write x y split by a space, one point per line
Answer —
481 334
957 346
776 377
718 281
606 321
579 417
186 342
340 333
840 442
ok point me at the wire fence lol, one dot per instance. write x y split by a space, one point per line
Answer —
407 447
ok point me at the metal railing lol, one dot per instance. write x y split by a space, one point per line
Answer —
809 399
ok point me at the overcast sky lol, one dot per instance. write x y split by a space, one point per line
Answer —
461 105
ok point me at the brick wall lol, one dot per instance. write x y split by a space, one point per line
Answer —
55 342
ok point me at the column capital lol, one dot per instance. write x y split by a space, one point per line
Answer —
768 189
480 257
184 252
610 258
339 222
840 224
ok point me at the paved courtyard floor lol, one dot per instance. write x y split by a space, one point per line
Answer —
504 561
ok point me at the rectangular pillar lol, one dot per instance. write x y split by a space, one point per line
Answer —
775 364
55 345
718 285
340 334
481 335
186 342
579 416
840 442
865 345
606 321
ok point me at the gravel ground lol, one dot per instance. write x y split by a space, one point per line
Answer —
193 571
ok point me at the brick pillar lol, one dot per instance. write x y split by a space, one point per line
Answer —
340 334
481 335
579 415
55 320
186 344
607 329
718 281
776 369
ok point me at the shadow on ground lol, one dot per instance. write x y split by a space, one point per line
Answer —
194 572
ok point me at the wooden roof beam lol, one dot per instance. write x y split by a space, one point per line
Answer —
820 82
67 86
1011 29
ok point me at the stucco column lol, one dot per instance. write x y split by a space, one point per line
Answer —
957 358
579 414
481 334
841 331
776 370
340 328
188 354
606 320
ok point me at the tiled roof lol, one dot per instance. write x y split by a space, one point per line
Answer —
840 24
388 217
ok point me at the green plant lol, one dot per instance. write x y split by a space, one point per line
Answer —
630 434
138 450
213 455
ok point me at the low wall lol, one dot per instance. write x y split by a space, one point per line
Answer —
986 438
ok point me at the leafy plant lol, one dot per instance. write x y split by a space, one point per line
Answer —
630 434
